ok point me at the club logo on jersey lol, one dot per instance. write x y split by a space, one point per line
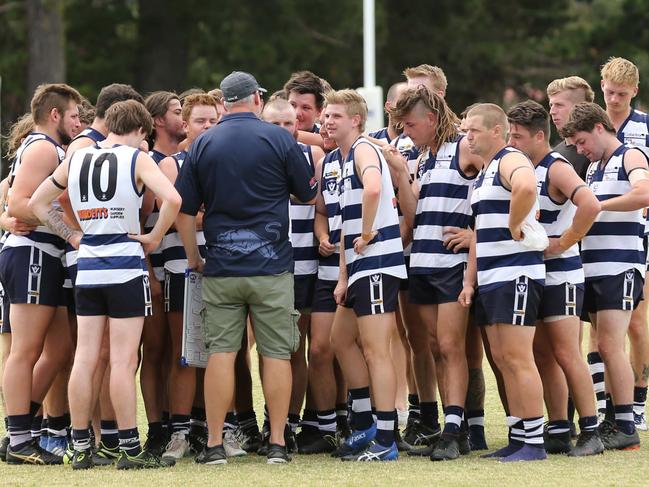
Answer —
92 214
332 186
521 287
629 275
375 278
35 269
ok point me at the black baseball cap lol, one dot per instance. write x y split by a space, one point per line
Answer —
239 84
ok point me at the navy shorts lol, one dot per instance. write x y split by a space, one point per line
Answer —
323 297
515 303
126 300
174 292
441 287
5 325
374 294
304 290
623 292
31 276
562 300
405 283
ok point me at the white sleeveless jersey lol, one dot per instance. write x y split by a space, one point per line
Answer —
106 202
444 201
556 218
173 251
635 129
500 258
384 254
42 237
329 267
614 244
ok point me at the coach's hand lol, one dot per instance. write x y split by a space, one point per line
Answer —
456 238
149 242
326 248
466 296
340 292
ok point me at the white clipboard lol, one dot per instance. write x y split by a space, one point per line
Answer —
193 353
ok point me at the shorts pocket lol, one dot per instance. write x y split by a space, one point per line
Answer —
295 330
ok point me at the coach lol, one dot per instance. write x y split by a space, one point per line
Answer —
242 172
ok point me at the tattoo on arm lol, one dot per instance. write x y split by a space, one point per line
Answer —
55 223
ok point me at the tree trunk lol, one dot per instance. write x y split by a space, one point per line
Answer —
46 43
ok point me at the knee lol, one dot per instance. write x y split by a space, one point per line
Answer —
320 353
451 347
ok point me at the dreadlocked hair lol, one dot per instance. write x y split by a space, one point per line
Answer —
448 123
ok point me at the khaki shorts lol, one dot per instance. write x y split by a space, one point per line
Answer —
268 299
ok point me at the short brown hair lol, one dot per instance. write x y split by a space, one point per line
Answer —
305 82
571 83
530 115
492 115
86 112
53 95
112 94
621 71
191 91
354 104
434 73
127 116
447 121
583 118
157 102
197 99
216 93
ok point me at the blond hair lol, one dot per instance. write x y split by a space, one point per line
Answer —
492 115
434 73
354 104
620 71
447 121
571 83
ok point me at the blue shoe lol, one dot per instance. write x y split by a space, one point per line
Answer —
359 440
375 453
43 441
57 445
510 449
526 454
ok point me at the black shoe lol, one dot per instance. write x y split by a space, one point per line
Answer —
447 448
573 431
618 440
322 443
418 434
250 438
212 455
145 459
105 456
422 451
4 444
264 439
290 440
477 440
277 454
588 443
197 439
463 443
82 459
402 445
557 444
31 452
155 444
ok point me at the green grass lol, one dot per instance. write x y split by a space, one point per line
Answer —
612 468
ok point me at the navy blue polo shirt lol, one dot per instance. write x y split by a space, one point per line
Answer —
243 170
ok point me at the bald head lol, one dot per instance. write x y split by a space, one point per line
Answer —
280 112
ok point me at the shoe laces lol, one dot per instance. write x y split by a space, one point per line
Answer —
177 440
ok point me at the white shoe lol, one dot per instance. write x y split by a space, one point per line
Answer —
231 445
640 422
177 447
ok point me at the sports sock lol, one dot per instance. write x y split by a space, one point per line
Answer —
166 423
516 430
588 423
129 442
361 408
534 431
81 439
19 429
56 426
33 408
475 419
624 418
309 421
198 417
559 428
596 367
36 426
230 423
109 434
327 421
293 421
180 423
45 429
639 399
610 409
571 410
341 414
453 419
414 413
155 429
7 425
429 414
385 427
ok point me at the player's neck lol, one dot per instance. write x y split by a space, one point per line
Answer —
538 155
392 131
114 139
165 144
618 118
495 149
49 130
612 145
99 125
345 145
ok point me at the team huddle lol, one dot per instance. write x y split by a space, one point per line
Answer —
438 239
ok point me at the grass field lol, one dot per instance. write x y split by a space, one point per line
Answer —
610 469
